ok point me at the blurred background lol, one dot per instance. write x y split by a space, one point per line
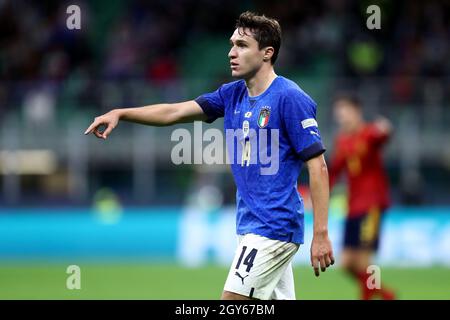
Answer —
141 227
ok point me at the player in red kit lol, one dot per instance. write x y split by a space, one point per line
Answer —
358 154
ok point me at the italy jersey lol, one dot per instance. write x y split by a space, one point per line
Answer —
269 137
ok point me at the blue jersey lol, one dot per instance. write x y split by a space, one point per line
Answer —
276 132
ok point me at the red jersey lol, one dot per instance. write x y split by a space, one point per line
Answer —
359 155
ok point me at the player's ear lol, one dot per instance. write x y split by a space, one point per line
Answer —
268 53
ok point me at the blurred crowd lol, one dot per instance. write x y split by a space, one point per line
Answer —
141 52
146 40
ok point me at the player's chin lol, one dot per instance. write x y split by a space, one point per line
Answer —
237 74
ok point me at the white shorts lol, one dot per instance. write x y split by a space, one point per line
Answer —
262 268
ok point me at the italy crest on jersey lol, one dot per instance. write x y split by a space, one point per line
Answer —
263 118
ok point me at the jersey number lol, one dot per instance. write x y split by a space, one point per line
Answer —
246 152
248 261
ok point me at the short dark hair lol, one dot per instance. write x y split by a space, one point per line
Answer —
266 31
349 97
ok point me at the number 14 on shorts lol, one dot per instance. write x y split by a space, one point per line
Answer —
248 261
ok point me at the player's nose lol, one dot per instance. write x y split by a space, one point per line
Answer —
232 53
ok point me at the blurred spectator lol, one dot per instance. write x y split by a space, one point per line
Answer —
138 52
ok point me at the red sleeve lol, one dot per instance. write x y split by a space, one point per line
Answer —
375 136
336 165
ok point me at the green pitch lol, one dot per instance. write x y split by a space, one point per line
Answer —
141 281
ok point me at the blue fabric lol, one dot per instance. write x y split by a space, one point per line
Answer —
280 130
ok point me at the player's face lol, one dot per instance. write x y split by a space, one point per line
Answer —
245 56
346 115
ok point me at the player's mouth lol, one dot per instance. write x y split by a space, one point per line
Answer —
233 65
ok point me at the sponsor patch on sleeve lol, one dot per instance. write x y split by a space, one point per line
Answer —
309 123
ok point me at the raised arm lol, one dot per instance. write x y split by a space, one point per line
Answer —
321 249
154 115
381 131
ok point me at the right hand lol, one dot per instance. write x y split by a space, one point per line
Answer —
321 253
109 120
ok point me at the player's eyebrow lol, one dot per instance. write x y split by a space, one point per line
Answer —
239 41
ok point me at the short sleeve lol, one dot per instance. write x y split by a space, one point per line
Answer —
212 104
299 116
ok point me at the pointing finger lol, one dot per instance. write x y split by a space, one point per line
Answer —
91 127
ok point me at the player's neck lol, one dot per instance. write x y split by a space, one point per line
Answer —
262 80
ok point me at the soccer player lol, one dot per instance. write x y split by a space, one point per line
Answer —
358 153
269 222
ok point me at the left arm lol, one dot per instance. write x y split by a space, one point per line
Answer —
299 116
321 249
